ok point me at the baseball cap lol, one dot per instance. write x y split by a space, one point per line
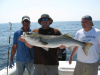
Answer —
88 18
25 18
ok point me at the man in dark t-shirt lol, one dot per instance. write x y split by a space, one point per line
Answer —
46 62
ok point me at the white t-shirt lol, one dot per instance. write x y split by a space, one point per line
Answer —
92 36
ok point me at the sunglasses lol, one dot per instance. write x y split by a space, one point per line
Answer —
26 21
44 19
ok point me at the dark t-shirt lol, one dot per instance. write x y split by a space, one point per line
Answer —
42 56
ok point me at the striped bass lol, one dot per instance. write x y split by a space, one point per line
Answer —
54 41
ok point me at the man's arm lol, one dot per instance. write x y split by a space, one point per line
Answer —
72 54
13 51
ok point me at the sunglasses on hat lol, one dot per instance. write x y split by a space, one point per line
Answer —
44 19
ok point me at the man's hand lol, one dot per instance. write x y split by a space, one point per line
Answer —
11 64
62 47
70 60
23 40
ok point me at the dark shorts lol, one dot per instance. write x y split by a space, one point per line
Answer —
46 70
86 68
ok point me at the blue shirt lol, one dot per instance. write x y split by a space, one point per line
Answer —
24 54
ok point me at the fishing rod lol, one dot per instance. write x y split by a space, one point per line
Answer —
9 46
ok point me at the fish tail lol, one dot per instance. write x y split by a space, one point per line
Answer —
86 48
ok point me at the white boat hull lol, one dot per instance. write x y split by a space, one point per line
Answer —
64 68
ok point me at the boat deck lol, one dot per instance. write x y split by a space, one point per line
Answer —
64 68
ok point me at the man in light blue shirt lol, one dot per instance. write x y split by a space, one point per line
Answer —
24 56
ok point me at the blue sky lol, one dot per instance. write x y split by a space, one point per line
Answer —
59 10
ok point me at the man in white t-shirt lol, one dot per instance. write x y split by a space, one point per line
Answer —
87 65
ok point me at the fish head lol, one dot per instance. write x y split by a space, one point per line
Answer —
31 36
28 33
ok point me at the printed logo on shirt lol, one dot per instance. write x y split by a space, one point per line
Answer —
87 38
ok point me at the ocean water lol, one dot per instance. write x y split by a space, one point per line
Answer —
70 27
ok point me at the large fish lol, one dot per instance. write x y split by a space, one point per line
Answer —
54 41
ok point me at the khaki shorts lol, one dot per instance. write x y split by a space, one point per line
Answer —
86 68
46 70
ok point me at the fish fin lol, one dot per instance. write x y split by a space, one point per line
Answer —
86 48
45 48
43 42
71 48
68 35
